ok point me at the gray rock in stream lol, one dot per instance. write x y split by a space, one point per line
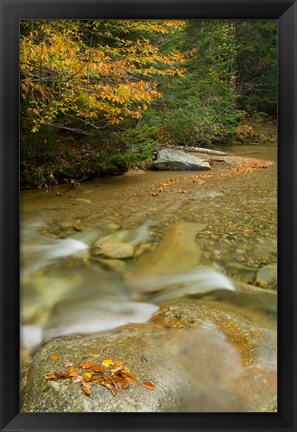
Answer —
267 276
201 356
121 244
174 160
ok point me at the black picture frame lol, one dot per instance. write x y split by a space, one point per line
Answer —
285 11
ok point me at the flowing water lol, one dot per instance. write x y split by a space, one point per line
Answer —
109 251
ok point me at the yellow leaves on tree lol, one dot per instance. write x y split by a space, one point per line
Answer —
66 72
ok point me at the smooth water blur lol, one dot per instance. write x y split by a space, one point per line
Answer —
66 291
179 284
69 283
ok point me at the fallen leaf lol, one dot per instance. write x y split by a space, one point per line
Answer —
118 363
126 369
57 375
51 376
107 362
98 368
86 365
88 376
120 382
98 379
68 364
64 374
86 389
77 379
107 383
115 370
148 385
73 372
55 356
128 376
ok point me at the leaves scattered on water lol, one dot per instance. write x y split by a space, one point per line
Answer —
237 165
112 374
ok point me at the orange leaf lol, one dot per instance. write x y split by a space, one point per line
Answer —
120 382
86 365
55 356
51 376
110 385
73 372
128 377
63 374
86 389
97 368
148 385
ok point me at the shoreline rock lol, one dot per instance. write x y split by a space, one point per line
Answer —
176 160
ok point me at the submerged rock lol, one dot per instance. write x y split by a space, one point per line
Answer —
115 249
173 160
114 264
133 236
177 251
267 276
121 244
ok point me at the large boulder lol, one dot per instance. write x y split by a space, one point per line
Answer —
199 355
176 160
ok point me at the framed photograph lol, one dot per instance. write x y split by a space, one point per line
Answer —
148 212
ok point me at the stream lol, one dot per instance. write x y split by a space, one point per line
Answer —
109 252
60 272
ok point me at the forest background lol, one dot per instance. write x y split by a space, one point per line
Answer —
100 97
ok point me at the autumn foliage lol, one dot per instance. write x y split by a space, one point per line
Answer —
92 72
112 374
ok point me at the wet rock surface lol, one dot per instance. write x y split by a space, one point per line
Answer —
254 334
177 250
201 356
267 276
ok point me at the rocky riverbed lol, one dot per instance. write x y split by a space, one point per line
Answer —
172 276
